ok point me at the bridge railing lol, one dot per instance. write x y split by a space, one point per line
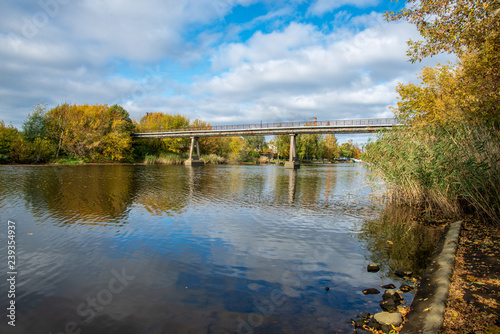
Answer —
334 123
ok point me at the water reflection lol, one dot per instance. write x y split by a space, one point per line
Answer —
292 185
207 247
397 241
82 194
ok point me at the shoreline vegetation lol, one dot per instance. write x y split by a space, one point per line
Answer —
173 159
73 134
445 160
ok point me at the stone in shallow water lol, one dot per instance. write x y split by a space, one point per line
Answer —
373 268
403 273
392 295
387 318
388 305
388 286
370 291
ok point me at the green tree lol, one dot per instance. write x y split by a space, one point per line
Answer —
257 143
282 143
350 150
310 146
35 125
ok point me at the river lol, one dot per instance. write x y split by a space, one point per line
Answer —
155 249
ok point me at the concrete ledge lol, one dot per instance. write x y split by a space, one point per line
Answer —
292 165
191 162
427 310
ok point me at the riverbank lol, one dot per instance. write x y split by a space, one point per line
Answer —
473 304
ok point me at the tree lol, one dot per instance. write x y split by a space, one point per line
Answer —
310 146
57 121
471 30
332 150
211 145
453 26
237 148
160 122
350 150
92 132
8 137
436 99
282 143
35 125
255 142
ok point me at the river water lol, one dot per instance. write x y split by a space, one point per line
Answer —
173 249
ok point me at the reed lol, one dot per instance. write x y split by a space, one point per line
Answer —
213 159
453 168
164 159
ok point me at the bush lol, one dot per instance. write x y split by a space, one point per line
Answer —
253 154
3 159
263 160
213 159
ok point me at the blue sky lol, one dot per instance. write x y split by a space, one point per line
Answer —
222 61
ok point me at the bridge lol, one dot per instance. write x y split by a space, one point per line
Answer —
264 129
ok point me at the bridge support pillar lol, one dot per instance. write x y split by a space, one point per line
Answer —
293 163
194 160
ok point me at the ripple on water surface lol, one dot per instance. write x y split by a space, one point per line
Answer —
195 249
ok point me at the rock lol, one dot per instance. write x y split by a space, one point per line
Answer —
403 273
405 288
388 286
388 305
373 324
365 315
370 291
373 268
359 323
386 329
392 295
386 318
364 320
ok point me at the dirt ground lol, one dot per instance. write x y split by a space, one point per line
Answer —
474 299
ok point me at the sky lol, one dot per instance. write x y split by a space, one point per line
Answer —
221 61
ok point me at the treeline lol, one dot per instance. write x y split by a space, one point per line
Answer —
317 147
447 156
102 133
89 132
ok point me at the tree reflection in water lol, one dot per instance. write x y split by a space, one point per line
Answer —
398 241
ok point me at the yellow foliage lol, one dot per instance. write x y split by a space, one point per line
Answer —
93 132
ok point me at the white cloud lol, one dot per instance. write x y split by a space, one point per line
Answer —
321 7
100 52
302 72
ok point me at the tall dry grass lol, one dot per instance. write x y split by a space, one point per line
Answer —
164 159
451 169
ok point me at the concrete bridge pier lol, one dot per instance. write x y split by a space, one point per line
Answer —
293 163
194 160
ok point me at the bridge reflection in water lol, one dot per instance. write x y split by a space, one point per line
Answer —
265 129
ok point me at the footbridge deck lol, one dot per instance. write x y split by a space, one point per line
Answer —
264 129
